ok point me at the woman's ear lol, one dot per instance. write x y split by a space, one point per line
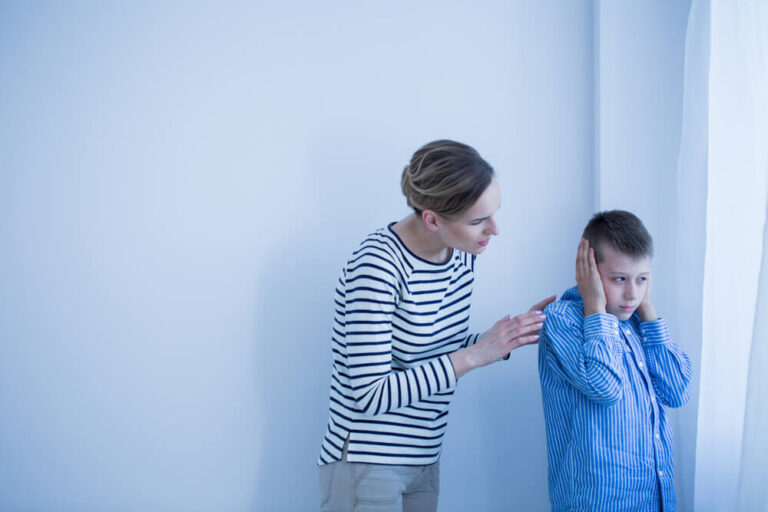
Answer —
431 219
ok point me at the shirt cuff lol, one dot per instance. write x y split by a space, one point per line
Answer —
600 325
655 332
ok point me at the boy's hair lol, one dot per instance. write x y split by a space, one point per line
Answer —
622 230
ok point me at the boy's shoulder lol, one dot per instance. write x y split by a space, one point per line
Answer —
569 305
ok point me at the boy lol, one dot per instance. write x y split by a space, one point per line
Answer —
607 369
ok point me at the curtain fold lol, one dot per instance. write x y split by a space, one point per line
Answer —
753 485
691 235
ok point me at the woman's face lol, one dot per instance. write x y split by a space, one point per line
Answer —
473 230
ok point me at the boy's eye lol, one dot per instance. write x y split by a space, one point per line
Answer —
618 279
643 279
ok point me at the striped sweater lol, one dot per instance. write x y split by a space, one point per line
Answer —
397 317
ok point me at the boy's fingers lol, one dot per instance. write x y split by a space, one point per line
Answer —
579 251
593 264
585 249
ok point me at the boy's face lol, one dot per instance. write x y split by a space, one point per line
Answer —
625 281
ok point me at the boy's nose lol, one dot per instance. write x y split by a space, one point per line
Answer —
630 291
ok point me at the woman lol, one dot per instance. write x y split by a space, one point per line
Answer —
400 337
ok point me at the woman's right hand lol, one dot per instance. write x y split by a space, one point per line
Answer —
497 342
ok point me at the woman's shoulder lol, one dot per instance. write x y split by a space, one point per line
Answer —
385 247
379 247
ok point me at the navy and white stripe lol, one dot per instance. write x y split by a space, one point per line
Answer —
604 386
397 317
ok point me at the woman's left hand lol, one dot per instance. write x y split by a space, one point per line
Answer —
539 306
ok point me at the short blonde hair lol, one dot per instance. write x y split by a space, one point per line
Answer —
446 177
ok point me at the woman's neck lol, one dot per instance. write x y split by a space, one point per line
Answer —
421 241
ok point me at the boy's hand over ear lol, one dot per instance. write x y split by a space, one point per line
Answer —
588 280
645 310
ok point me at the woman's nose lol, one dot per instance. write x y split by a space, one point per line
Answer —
493 227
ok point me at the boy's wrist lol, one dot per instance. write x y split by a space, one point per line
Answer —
593 308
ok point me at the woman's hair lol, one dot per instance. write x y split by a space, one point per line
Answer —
446 177
620 229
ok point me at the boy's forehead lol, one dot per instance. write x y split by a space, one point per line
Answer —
616 261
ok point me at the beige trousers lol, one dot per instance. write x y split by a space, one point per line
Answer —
360 487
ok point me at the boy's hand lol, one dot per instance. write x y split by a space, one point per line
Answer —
588 280
645 310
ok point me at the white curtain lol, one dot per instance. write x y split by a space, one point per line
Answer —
722 198
753 488
691 235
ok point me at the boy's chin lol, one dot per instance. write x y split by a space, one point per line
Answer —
622 315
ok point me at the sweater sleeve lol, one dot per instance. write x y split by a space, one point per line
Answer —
370 290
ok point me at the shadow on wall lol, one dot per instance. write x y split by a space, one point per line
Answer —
293 361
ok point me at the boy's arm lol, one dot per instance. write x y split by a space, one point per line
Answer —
585 352
669 367
584 348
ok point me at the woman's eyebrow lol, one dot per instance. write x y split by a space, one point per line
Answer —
487 216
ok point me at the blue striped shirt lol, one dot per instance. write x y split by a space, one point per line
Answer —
397 317
604 385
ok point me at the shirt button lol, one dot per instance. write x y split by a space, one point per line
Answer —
645 338
661 473
658 436
653 399
640 364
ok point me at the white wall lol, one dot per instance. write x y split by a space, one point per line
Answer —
179 186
